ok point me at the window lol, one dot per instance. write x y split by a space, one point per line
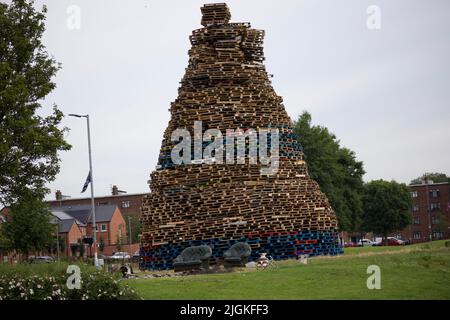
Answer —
415 207
434 193
417 235
437 235
126 204
414 194
416 220
435 206
434 220
102 203
103 227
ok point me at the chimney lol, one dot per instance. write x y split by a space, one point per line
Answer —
115 191
58 195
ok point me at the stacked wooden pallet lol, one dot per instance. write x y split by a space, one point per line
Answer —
279 245
226 86
215 13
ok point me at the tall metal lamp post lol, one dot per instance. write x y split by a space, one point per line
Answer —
94 224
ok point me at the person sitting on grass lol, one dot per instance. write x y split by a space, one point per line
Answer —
124 271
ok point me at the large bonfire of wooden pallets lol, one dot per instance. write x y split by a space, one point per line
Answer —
284 214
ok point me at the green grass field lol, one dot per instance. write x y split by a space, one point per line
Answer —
411 272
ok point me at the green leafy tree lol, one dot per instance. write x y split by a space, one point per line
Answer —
74 248
101 245
4 244
28 227
387 207
135 228
119 242
336 170
61 243
431 176
29 142
81 248
442 224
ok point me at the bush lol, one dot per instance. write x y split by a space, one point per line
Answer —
48 282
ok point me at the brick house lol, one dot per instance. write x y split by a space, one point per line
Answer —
70 230
109 220
129 204
430 212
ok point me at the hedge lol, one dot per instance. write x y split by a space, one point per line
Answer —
49 282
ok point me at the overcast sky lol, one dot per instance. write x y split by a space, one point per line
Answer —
385 93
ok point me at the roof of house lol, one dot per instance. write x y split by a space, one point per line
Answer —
82 213
65 225
59 216
122 195
429 184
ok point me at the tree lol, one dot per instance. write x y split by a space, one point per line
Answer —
386 207
101 245
135 228
442 223
29 142
431 176
119 242
4 245
28 225
336 170
74 248
81 248
60 243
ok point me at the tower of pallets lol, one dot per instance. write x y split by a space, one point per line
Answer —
285 214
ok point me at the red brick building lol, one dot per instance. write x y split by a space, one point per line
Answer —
430 213
71 231
129 204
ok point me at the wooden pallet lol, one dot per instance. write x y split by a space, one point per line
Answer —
226 86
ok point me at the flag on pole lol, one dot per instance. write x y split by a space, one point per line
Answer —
88 180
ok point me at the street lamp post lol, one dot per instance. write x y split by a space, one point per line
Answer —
94 224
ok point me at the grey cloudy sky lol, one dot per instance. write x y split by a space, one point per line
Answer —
384 93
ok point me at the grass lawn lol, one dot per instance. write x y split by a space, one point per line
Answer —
412 272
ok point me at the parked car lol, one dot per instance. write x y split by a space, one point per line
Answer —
41 259
120 256
136 256
349 244
406 241
366 243
391 241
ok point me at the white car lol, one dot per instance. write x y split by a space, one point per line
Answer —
120 256
366 243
